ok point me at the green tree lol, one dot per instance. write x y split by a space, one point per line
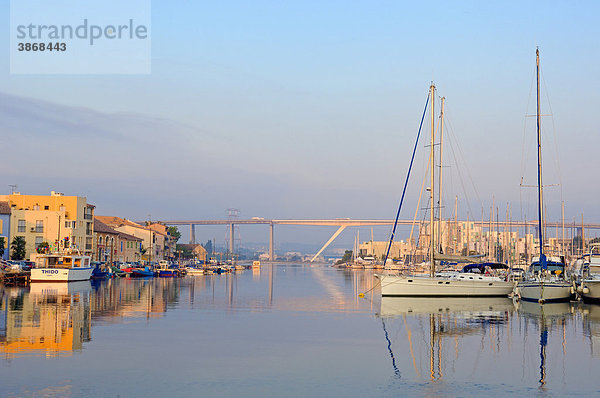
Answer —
347 257
17 248
174 232
1 246
208 246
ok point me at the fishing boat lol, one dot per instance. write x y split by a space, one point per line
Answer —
545 280
589 287
145 272
69 266
442 285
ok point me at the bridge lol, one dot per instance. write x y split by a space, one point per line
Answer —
343 223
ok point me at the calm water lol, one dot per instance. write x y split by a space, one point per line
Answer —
287 331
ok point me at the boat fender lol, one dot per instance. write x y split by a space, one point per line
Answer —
586 290
572 290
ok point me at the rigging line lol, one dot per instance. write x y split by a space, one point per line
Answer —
461 156
554 135
406 183
524 148
389 347
412 228
454 142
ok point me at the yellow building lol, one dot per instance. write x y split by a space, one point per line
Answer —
62 221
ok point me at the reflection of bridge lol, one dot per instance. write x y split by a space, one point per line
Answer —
343 223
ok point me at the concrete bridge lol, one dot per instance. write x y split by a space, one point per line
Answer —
343 223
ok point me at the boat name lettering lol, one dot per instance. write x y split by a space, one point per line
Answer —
49 271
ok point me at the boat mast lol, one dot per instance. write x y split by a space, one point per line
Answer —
432 182
539 148
439 203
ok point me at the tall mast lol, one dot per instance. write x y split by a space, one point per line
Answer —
440 176
432 182
539 147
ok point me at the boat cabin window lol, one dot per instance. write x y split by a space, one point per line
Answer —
77 262
67 260
86 261
50 261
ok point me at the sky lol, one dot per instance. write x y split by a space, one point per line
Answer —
307 109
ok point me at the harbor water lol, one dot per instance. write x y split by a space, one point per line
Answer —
287 330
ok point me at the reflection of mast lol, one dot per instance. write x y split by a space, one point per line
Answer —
543 344
389 347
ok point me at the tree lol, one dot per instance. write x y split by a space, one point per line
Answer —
17 248
208 246
1 246
174 232
347 257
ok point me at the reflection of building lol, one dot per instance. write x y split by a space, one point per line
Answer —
52 318
56 219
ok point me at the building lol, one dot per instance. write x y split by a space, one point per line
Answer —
5 229
155 241
61 221
198 251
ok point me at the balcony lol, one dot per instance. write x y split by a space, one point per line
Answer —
88 216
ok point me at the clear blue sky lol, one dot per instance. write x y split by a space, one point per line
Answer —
310 108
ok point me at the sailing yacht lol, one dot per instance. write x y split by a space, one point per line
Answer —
465 285
545 280
590 275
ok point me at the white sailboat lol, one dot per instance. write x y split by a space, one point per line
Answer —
545 280
590 275
460 285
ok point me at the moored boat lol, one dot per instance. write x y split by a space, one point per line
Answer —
62 267
545 281
589 287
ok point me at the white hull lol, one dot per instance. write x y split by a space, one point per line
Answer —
393 285
194 271
60 274
593 290
544 292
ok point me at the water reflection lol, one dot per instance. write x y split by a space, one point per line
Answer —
293 323
442 338
50 318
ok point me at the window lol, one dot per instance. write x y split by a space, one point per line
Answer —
38 241
88 243
39 226
21 226
67 224
46 207
36 207
88 228
61 208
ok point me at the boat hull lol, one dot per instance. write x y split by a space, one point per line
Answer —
593 290
547 292
60 274
403 286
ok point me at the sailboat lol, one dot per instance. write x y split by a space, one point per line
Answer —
460 285
545 280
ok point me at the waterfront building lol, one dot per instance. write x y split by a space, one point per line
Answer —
61 221
5 229
198 251
111 245
155 240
